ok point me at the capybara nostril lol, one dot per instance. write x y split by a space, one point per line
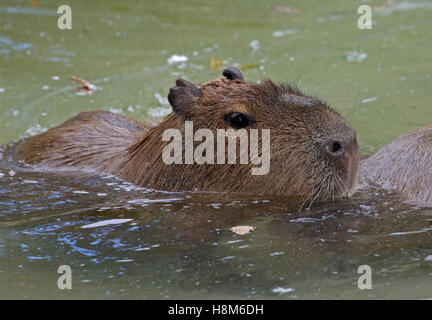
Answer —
334 147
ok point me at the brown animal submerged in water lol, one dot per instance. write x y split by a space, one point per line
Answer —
313 150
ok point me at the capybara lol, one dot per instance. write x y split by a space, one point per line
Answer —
313 151
404 165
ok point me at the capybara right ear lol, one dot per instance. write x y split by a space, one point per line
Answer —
232 73
183 96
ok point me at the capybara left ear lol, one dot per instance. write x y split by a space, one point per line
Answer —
232 73
183 96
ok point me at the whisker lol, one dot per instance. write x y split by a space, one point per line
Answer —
304 202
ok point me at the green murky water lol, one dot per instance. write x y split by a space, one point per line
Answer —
179 245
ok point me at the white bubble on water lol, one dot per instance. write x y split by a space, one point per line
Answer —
175 58
277 253
33 130
182 66
80 192
30 181
142 249
114 110
158 112
282 33
106 223
355 56
282 290
162 100
254 44
369 99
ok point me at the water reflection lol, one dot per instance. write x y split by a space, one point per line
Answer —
125 241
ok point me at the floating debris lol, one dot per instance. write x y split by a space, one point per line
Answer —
288 10
277 253
281 33
402 6
175 58
384 5
241 230
369 99
80 192
30 181
227 258
355 56
86 88
282 290
248 66
214 64
105 223
142 249
35 3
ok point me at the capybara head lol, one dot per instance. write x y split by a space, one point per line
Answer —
313 150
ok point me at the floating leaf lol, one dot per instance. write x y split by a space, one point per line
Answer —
214 64
86 88
248 66
241 230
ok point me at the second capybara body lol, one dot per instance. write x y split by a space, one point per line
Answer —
313 150
404 165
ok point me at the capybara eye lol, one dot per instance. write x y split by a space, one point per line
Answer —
239 120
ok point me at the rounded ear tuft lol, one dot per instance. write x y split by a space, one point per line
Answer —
183 96
232 73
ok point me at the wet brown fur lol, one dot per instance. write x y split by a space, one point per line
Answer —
404 165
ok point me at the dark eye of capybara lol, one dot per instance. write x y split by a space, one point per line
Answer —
239 120
336 147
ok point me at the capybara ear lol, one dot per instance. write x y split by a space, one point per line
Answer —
232 73
183 96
